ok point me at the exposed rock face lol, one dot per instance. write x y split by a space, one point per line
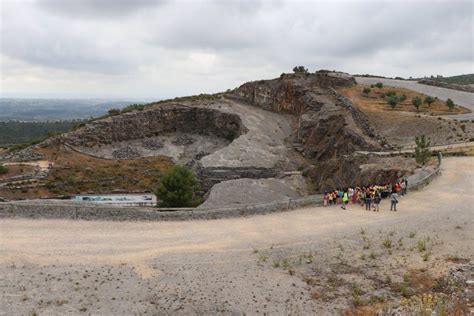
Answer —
151 122
356 171
329 125
254 191
260 130
27 154
152 144
126 153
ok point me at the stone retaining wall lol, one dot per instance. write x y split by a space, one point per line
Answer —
428 178
80 211
77 211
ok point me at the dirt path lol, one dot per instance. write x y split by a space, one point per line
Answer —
69 267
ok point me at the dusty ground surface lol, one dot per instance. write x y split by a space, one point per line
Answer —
16 170
310 261
465 99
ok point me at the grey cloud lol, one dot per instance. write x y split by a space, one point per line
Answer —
97 8
201 42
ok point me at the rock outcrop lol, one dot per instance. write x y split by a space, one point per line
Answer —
168 118
329 125
260 130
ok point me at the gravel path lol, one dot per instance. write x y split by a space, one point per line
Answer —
58 267
465 99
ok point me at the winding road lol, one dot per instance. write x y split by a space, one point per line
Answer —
212 261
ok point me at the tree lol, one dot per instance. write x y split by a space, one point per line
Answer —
429 100
379 85
300 70
422 151
366 91
450 104
113 112
393 101
416 101
177 187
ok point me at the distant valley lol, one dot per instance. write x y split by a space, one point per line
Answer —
17 109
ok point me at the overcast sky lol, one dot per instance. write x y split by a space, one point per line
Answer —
163 48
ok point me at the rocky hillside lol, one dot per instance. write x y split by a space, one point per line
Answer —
265 130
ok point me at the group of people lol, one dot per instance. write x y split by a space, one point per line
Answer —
370 196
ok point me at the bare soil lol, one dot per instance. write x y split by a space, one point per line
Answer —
400 125
16 170
322 261
76 173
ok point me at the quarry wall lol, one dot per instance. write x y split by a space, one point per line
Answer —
152 122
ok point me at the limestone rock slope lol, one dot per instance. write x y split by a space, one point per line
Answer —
260 130
328 125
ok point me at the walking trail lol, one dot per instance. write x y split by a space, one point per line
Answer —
208 262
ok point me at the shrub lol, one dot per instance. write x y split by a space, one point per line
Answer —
382 95
428 100
366 91
391 93
379 85
393 101
177 187
113 112
3 169
450 104
422 152
402 98
300 70
416 101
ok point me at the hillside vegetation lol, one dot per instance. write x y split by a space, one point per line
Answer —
461 79
14 132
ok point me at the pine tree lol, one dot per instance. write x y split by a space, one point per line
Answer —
177 187
422 151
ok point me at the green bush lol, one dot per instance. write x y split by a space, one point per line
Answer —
379 85
177 187
416 101
450 104
3 169
366 91
113 112
393 101
428 100
300 70
422 151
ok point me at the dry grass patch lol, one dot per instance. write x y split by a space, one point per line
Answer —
76 173
374 101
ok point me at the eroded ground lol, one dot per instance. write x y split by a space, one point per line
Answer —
315 260
401 124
